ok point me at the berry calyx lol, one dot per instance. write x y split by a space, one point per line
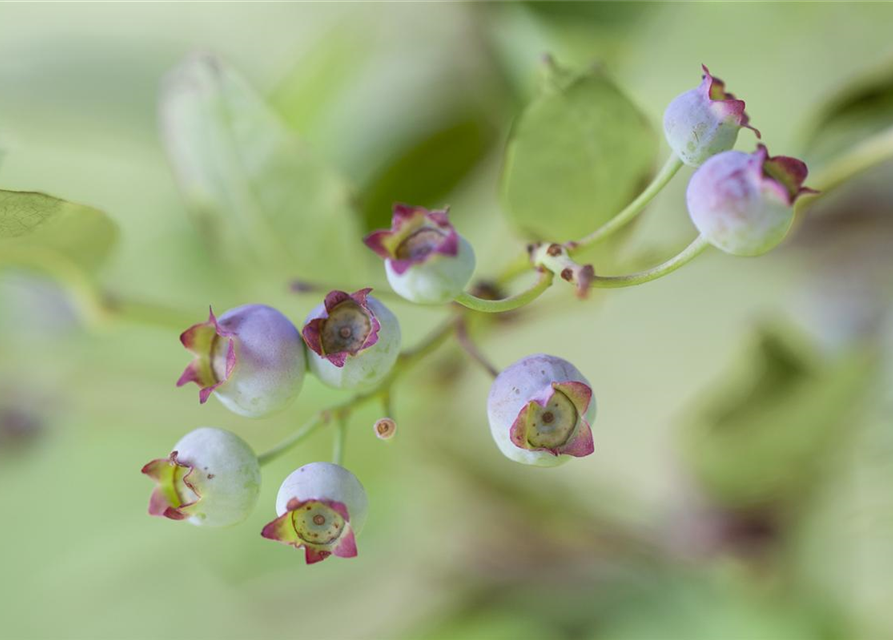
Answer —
321 508
353 340
426 260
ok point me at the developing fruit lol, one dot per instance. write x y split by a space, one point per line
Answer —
251 358
211 478
321 507
704 121
744 203
353 340
540 410
426 261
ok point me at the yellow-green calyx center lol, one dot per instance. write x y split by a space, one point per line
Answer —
419 244
219 351
318 524
551 426
171 481
346 328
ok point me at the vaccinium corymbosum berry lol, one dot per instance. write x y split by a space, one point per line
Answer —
321 507
211 478
352 339
704 121
251 358
743 203
540 410
426 260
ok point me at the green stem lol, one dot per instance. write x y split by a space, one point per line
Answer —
521 264
406 360
309 427
634 208
543 282
688 254
862 156
465 341
340 441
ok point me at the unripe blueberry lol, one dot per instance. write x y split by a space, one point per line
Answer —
251 358
321 507
540 410
353 340
211 478
704 121
426 261
744 203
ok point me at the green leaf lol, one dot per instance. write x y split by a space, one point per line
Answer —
428 169
35 224
59 239
259 196
577 154
765 434
856 112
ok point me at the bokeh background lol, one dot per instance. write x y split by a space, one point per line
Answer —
741 485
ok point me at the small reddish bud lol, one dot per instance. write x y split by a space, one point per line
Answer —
385 428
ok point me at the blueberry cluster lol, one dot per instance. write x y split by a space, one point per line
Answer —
540 409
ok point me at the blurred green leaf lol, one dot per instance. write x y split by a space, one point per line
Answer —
764 435
429 169
35 224
577 154
856 112
259 195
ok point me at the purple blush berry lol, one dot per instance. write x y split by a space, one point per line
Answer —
426 261
320 507
211 478
540 410
744 203
353 340
251 358
704 121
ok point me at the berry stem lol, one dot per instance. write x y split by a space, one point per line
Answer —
342 410
543 282
306 429
521 264
864 155
688 254
387 405
340 440
634 208
465 341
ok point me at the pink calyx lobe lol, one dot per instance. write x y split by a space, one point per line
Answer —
174 492
321 527
214 361
556 421
723 102
416 235
782 174
346 326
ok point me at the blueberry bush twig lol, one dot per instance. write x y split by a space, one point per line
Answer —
540 408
